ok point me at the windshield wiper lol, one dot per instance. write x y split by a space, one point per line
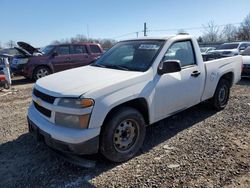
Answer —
120 67
98 65
117 67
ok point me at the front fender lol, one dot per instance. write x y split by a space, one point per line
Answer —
104 106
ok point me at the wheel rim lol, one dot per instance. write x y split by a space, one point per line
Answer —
42 72
222 97
125 135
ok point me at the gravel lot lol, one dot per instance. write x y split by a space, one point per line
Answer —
196 148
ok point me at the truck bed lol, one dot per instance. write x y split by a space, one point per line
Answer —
217 67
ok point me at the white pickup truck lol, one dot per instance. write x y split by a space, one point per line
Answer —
105 107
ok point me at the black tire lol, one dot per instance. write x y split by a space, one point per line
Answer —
112 143
221 95
40 72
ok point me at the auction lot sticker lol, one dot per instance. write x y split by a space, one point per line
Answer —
149 47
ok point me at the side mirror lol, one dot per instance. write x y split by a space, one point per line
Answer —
54 54
169 66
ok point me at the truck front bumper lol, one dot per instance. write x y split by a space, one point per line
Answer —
17 69
75 141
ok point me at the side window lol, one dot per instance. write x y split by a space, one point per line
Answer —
63 50
78 49
244 45
95 49
182 51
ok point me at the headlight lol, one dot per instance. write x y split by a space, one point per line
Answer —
76 103
22 61
72 121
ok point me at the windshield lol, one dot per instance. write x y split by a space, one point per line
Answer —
47 49
228 46
131 55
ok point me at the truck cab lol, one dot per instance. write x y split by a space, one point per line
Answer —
106 106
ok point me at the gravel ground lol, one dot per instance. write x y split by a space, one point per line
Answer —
196 148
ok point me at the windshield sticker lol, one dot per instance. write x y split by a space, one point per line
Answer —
149 47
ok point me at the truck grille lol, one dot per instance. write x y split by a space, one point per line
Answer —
43 96
42 110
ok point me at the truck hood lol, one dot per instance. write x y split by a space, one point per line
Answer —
27 47
78 81
23 52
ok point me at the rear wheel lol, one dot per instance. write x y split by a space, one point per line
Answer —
123 135
41 71
221 95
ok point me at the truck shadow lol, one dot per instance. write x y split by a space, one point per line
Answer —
25 163
21 81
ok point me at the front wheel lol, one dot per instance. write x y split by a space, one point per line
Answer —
221 95
40 72
123 135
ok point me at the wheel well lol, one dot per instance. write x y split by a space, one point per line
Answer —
229 77
139 104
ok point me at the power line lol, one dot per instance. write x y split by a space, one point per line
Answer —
172 29
124 35
191 28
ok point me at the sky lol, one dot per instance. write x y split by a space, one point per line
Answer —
39 22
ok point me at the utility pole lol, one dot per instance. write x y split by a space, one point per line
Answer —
145 29
88 32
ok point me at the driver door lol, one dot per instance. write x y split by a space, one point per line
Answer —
62 60
179 90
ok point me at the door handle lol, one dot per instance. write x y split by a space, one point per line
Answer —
195 73
68 58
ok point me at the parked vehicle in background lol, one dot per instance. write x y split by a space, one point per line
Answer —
1 64
205 50
226 50
246 62
10 51
106 106
35 64
230 49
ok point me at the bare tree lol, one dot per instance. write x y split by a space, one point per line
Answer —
244 29
200 39
11 44
55 42
229 33
78 38
105 43
211 32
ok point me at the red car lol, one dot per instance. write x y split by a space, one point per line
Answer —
35 64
